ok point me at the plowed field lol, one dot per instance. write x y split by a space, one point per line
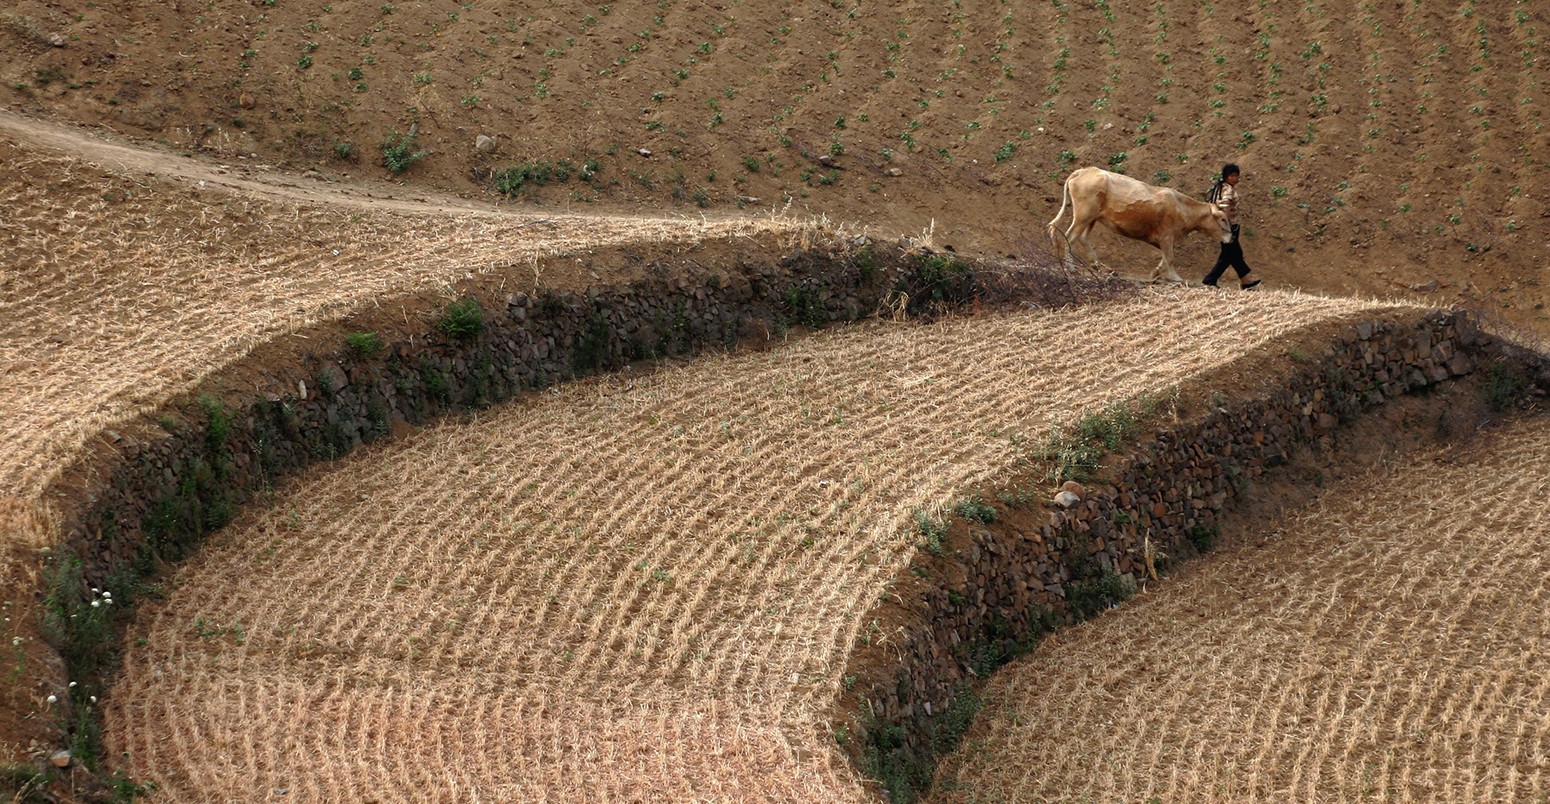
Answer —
1385 643
627 588
1385 146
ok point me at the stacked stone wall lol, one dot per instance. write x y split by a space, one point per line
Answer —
150 495
1000 585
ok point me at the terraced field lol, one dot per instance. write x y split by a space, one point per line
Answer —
632 587
1384 643
122 290
126 291
131 276
497 608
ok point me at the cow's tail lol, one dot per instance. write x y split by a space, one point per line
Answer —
1055 239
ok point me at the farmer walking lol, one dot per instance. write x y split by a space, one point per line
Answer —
1225 195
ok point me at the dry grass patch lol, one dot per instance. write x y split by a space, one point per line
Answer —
1383 643
552 599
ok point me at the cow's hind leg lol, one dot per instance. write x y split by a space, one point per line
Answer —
1083 230
1065 249
1165 266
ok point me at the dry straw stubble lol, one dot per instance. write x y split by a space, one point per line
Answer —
551 600
1384 643
123 292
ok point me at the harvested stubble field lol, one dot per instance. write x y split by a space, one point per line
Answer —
1385 642
1386 148
129 276
120 290
631 587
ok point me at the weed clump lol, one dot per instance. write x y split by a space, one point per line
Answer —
1090 596
931 530
24 781
1502 385
1203 538
939 278
511 181
903 773
592 346
804 305
1094 587
463 319
398 152
1075 453
364 344
220 422
436 384
974 509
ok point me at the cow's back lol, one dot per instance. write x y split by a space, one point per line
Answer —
1107 191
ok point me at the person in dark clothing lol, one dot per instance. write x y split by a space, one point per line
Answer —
1225 195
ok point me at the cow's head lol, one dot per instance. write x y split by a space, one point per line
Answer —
1219 225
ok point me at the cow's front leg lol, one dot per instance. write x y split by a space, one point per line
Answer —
1165 266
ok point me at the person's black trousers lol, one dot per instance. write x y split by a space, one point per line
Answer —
1232 255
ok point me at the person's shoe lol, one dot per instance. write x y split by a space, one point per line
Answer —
1209 284
1250 285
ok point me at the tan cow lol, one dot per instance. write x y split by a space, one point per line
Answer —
1135 209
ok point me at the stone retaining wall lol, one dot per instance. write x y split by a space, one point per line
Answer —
149 496
146 492
1000 585
154 493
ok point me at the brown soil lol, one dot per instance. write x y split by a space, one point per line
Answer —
1395 148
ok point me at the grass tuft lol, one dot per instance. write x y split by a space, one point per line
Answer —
398 152
364 344
463 319
1075 453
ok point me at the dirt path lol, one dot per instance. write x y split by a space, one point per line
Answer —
252 177
248 176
